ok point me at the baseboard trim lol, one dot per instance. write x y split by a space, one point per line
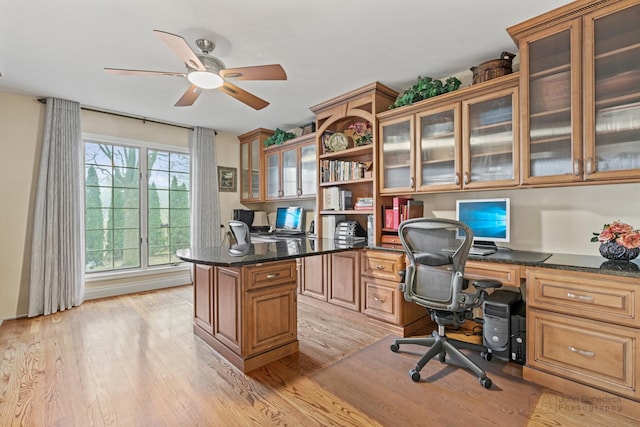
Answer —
138 286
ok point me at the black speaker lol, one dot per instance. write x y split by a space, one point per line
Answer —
497 310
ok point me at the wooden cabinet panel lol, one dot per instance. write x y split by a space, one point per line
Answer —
228 302
313 276
383 265
594 353
603 298
251 165
382 299
290 169
270 274
203 296
344 289
507 274
271 318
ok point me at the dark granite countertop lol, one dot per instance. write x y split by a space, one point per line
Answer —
289 248
298 247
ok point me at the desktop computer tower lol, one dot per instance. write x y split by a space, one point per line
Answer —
497 310
518 334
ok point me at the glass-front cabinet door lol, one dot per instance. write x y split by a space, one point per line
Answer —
272 167
290 172
254 193
612 93
438 159
490 140
397 156
551 102
245 184
308 171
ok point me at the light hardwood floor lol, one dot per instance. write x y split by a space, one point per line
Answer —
134 360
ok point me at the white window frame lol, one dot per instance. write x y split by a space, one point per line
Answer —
144 269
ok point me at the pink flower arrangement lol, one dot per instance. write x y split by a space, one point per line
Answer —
361 132
623 234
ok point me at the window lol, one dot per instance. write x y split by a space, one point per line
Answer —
136 206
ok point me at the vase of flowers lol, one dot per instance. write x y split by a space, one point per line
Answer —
618 241
361 133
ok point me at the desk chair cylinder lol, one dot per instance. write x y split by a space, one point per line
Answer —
437 250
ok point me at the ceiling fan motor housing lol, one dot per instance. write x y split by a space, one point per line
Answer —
212 64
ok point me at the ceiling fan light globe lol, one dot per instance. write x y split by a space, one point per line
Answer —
205 79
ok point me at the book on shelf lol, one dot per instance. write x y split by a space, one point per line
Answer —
398 208
346 198
331 198
329 223
363 203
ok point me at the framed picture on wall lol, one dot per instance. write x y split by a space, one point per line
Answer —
227 179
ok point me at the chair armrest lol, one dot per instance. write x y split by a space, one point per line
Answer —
486 284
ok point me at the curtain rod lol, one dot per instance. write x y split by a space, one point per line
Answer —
128 116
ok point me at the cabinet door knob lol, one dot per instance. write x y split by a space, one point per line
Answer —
273 275
466 178
378 299
576 167
412 182
457 178
380 267
590 169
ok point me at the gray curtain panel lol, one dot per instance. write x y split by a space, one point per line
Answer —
205 203
57 251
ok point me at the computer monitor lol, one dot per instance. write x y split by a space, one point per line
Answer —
489 219
290 219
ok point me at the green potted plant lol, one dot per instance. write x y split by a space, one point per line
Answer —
279 137
425 87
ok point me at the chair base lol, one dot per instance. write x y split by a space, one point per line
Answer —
441 346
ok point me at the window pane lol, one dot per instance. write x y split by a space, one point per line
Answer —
158 218
180 163
126 198
126 177
125 157
179 181
159 179
97 154
179 199
179 235
129 258
126 218
158 160
180 217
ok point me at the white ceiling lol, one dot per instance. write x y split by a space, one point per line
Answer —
59 48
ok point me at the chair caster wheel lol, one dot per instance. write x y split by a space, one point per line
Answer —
394 347
486 356
485 382
415 375
442 357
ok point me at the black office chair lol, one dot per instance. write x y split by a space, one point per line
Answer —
437 250
241 234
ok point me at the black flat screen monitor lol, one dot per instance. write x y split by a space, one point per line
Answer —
488 219
290 219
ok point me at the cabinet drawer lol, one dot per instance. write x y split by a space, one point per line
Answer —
595 296
507 274
273 273
381 299
383 265
593 353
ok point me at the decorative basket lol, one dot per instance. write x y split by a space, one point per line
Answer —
495 68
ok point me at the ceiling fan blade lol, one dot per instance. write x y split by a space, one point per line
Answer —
258 72
189 97
244 96
125 72
180 47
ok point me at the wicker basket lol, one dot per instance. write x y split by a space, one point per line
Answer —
495 68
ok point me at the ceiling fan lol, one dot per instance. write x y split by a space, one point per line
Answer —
208 72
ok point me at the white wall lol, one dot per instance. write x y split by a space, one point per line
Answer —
21 122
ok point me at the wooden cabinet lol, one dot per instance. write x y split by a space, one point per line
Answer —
344 279
313 276
465 139
248 314
382 299
580 85
290 169
251 166
584 328
345 169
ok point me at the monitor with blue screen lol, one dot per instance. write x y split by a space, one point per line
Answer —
488 219
290 219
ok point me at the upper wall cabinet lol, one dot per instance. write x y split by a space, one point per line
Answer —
580 86
291 169
462 140
251 166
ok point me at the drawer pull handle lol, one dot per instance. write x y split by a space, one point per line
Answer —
380 267
273 275
582 352
580 297
378 299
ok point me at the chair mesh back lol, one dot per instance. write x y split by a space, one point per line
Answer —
240 231
437 249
